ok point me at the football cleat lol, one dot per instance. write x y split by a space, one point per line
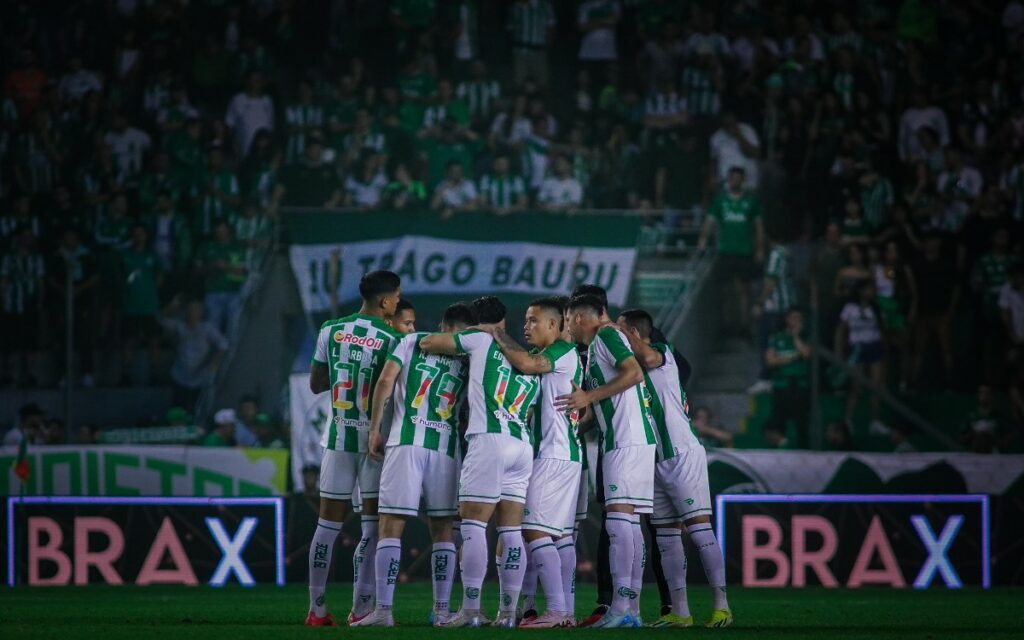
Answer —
638 622
594 617
614 621
671 621
549 620
353 618
719 618
376 618
313 620
505 620
462 619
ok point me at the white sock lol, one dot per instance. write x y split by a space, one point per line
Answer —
320 550
711 557
474 562
530 582
639 563
442 560
512 567
544 555
388 561
364 567
567 560
620 560
673 565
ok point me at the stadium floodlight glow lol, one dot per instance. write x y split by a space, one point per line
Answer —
936 547
232 547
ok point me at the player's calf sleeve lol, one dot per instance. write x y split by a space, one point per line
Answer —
711 557
387 563
639 564
442 562
544 556
474 562
320 550
512 567
620 560
364 565
673 565
567 561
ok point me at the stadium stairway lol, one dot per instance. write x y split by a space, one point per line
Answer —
720 383
262 357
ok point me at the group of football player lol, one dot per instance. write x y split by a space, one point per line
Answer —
480 428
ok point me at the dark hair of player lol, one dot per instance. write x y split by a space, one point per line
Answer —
591 290
639 320
459 316
403 305
554 306
377 284
587 302
489 309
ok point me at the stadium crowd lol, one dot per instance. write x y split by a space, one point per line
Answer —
864 161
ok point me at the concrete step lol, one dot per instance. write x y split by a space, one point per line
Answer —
734 382
745 363
728 410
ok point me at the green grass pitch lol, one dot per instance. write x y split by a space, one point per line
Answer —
273 613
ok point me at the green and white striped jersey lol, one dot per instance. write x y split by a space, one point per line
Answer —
624 419
668 407
354 349
780 270
554 432
500 397
427 397
502 191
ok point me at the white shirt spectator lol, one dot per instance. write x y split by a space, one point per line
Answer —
366 194
598 44
128 147
521 128
726 150
456 196
75 85
561 192
913 119
1012 300
247 115
862 324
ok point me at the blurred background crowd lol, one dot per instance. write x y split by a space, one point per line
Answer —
858 166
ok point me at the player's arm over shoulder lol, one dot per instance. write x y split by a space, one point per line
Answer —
521 359
452 344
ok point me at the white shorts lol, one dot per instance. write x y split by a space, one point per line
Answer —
628 475
497 467
681 487
411 472
341 474
583 496
551 497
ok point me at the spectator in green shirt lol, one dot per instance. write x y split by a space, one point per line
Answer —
451 144
405 192
140 300
223 432
223 263
735 217
788 358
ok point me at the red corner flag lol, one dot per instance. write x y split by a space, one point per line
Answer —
22 469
